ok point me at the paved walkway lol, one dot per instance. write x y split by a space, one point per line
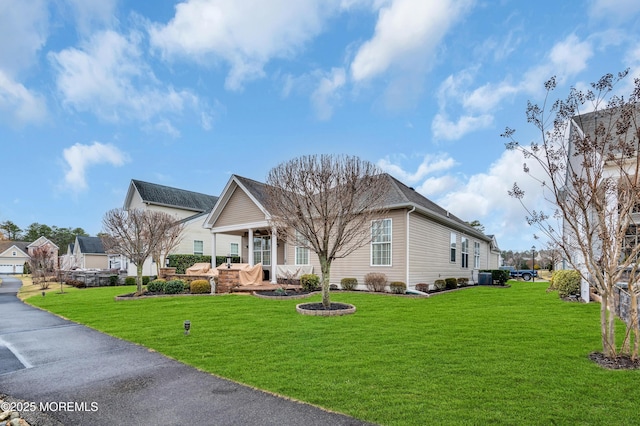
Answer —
46 359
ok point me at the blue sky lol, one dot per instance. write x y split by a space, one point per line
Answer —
94 93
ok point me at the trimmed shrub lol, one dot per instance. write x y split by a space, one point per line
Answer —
500 276
145 279
567 282
310 282
397 287
174 287
130 281
156 286
423 287
463 282
375 281
439 285
200 287
75 283
451 283
349 284
113 280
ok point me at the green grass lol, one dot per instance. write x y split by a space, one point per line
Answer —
478 356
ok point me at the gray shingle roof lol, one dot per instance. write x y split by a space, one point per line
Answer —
257 189
90 245
167 196
399 195
4 245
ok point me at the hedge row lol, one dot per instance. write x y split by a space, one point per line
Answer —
184 261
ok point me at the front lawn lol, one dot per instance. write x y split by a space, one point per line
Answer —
482 355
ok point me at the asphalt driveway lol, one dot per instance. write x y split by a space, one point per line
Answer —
85 377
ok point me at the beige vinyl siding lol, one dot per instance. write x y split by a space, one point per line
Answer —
95 261
238 210
358 263
430 252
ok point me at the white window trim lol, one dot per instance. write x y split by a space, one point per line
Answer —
453 245
299 239
374 243
464 252
237 253
194 247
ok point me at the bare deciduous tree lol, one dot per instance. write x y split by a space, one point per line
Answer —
137 234
590 160
169 241
41 261
326 203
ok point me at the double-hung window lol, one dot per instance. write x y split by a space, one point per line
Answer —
198 247
452 247
233 250
302 250
465 252
381 242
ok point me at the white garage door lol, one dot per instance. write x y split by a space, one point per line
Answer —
11 269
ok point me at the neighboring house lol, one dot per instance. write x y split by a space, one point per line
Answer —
423 242
191 208
14 254
587 126
88 253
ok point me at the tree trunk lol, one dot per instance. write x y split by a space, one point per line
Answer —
633 319
139 278
325 266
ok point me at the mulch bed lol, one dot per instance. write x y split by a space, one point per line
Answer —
622 362
332 306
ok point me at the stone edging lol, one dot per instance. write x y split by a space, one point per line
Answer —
326 313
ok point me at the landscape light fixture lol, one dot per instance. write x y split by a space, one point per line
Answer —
42 293
187 327
229 261
533 263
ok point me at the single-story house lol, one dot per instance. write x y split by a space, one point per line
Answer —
423 241
191 208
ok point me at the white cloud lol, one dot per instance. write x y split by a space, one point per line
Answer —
244 34
80 157
24 29
617 10
484 197
327 93
406 31
109 77
429 165
92 14
476 107
445 129
18 104
434 186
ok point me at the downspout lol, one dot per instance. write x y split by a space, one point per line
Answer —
408 238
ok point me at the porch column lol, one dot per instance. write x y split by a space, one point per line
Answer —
250 244
213 250
274 255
